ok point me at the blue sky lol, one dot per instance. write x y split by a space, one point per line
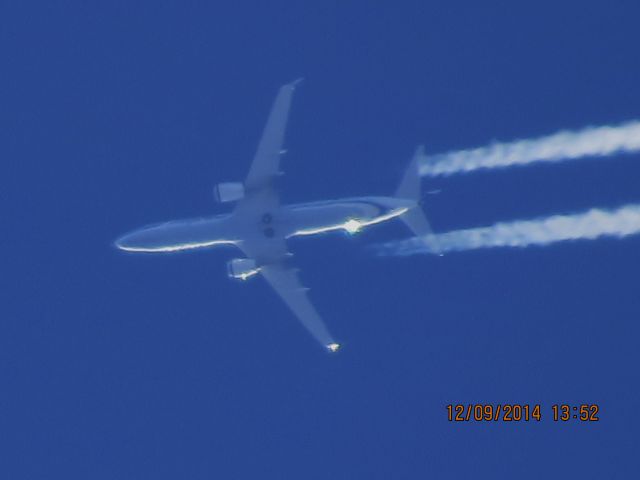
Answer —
118 114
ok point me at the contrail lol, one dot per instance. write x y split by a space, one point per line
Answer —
590 225
564 145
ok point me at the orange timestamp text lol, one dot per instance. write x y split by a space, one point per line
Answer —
520 412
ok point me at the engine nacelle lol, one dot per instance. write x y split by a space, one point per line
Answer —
228 192
242 268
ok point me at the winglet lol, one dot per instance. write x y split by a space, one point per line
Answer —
296 82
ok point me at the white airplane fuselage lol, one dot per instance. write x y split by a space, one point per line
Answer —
349 214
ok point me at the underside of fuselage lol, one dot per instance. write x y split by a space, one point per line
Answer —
351 215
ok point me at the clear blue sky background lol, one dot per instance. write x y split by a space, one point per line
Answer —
118 114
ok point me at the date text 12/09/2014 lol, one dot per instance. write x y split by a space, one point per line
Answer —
516 412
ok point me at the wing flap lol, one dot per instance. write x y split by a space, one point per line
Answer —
266 162
286 284
259 191
271 256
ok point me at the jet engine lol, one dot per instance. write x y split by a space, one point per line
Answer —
242 268
228 192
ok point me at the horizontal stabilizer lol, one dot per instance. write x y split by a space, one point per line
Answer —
417 221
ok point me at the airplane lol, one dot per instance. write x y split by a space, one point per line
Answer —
259 224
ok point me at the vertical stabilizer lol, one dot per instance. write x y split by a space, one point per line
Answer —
410 185
410 188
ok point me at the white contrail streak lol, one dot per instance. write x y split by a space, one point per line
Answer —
565 145
589 225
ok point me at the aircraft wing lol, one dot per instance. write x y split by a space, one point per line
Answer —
266 162
271 254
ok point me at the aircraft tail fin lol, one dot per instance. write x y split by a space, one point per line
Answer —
410 188
410 185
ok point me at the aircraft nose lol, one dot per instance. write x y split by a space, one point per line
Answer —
133 241
152 238
125 242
